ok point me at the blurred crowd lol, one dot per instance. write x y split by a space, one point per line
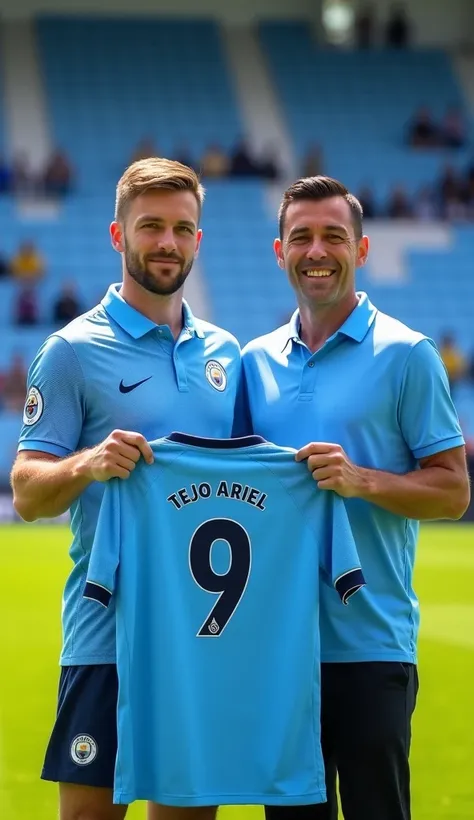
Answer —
425 132
55 179
394 33
460 369
65 307
217 163
450 197
27 267
13 385
458 366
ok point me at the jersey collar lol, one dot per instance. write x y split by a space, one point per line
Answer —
135 323
356 326
216 443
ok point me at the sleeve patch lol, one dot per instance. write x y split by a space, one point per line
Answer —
34 407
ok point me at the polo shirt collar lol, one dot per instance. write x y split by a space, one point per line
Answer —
356 326
135 323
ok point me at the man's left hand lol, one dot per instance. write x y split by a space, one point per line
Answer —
332 469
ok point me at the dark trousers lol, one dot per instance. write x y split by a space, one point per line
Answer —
366 711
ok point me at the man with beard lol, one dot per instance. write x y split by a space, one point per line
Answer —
372 398
132 369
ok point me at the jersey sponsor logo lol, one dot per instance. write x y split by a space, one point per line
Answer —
83 750
213 627
34 406
216 375
127 388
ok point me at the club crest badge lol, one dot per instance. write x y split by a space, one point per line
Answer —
34 406
216 375
83 750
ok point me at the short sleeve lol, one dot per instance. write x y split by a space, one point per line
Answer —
105 553
427 417
242 418
339 558
54 409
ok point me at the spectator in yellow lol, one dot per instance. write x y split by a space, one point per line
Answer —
454 360
215 162
27 262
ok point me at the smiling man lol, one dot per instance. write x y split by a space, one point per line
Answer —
372 397
132 369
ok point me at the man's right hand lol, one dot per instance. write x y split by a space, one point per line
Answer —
116 456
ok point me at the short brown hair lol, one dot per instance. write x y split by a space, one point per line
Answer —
156 173
318 188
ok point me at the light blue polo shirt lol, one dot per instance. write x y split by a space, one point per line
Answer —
380 390
113 368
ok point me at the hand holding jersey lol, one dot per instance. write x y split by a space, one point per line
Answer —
332 468
117 455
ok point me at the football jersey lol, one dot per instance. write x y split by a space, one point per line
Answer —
213 554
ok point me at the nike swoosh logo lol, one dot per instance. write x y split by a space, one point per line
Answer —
127 388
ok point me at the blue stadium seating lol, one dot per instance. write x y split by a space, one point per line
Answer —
438 295
249 294
356 104
111 82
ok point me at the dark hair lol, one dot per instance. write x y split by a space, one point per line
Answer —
318 188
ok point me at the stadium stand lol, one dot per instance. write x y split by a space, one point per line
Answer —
337 96
103 106
356 104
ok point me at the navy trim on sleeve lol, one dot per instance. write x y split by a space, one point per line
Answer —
96 592
216 443
349 583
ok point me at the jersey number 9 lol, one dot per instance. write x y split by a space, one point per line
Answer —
231 584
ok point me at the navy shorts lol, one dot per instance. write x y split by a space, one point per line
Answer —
83 745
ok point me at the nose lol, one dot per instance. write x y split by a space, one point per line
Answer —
317 249
167 240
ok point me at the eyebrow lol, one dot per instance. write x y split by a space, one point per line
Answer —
305 229
149 218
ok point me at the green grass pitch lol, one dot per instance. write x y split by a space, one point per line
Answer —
33 566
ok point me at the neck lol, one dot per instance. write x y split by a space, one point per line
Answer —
162 310
319 323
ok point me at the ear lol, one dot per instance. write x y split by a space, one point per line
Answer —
278 248
198 242
116 237
362 251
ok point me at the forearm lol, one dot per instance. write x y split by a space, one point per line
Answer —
427 494
46 489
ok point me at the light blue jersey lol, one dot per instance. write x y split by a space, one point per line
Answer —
213 555
379 390
113 368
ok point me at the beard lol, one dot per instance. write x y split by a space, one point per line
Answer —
140 272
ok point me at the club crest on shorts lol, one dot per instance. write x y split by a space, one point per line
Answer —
216 375
83 750
33 406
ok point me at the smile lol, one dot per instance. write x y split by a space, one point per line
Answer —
318 274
